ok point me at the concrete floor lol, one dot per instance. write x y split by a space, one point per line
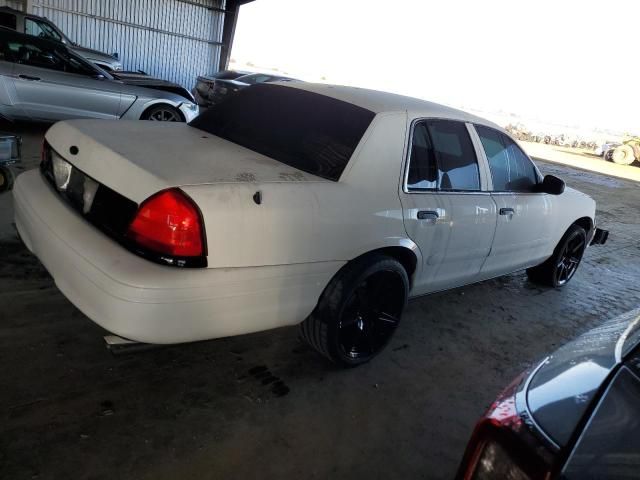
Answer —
69 409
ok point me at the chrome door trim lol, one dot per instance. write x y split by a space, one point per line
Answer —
482 155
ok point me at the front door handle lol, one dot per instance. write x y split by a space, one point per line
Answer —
29 77
428 215
507 211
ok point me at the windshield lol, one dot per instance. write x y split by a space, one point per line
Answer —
312 132
227 75
40 28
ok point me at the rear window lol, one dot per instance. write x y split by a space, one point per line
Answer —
8 20
227 74
312 132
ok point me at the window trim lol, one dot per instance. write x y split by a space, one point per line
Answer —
405 176
491 189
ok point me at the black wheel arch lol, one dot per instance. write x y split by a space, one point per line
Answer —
586 223
404 255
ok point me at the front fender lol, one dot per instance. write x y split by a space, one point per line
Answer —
572 206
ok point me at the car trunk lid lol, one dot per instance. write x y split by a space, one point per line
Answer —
138 159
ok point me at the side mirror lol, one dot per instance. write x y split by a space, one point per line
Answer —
552 185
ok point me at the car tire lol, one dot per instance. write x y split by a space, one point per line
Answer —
163 113
623 155
558 269
359 310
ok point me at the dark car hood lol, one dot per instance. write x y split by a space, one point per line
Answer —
134 78
562 388
230 82
143 80
90 52
213 78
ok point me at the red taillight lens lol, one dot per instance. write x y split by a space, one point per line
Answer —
501 446
169 223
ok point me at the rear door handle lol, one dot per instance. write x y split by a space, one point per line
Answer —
428 215
29 77
507 211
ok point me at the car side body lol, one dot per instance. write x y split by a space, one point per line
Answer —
275 234
43 80
42 27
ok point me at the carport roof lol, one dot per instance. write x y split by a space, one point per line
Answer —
380 102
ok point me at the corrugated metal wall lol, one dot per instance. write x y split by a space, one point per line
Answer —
17 4
175 40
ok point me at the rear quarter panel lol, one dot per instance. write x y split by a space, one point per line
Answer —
307 221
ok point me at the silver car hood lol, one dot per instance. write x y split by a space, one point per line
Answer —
143 80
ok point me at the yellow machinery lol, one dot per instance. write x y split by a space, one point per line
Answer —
626 153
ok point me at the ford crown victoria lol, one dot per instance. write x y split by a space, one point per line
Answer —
292 203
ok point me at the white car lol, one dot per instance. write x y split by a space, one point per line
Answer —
291 203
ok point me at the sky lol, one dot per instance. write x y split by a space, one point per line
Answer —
557 61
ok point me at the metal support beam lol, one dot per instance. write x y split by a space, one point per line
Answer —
232 8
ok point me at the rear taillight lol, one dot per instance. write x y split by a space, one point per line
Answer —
503 447
169 223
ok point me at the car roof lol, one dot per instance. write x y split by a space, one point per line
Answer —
11 10
380 102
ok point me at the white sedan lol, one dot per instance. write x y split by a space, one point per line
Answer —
291 203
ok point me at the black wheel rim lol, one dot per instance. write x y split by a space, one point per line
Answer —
164 115
371 315
569 259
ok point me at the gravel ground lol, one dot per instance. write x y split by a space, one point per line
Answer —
264 405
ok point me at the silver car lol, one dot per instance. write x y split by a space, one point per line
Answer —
43 80
42 27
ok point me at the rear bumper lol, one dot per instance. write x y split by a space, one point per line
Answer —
600 237
151 303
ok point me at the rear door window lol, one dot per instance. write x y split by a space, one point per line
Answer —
29 54
511 169
442 157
